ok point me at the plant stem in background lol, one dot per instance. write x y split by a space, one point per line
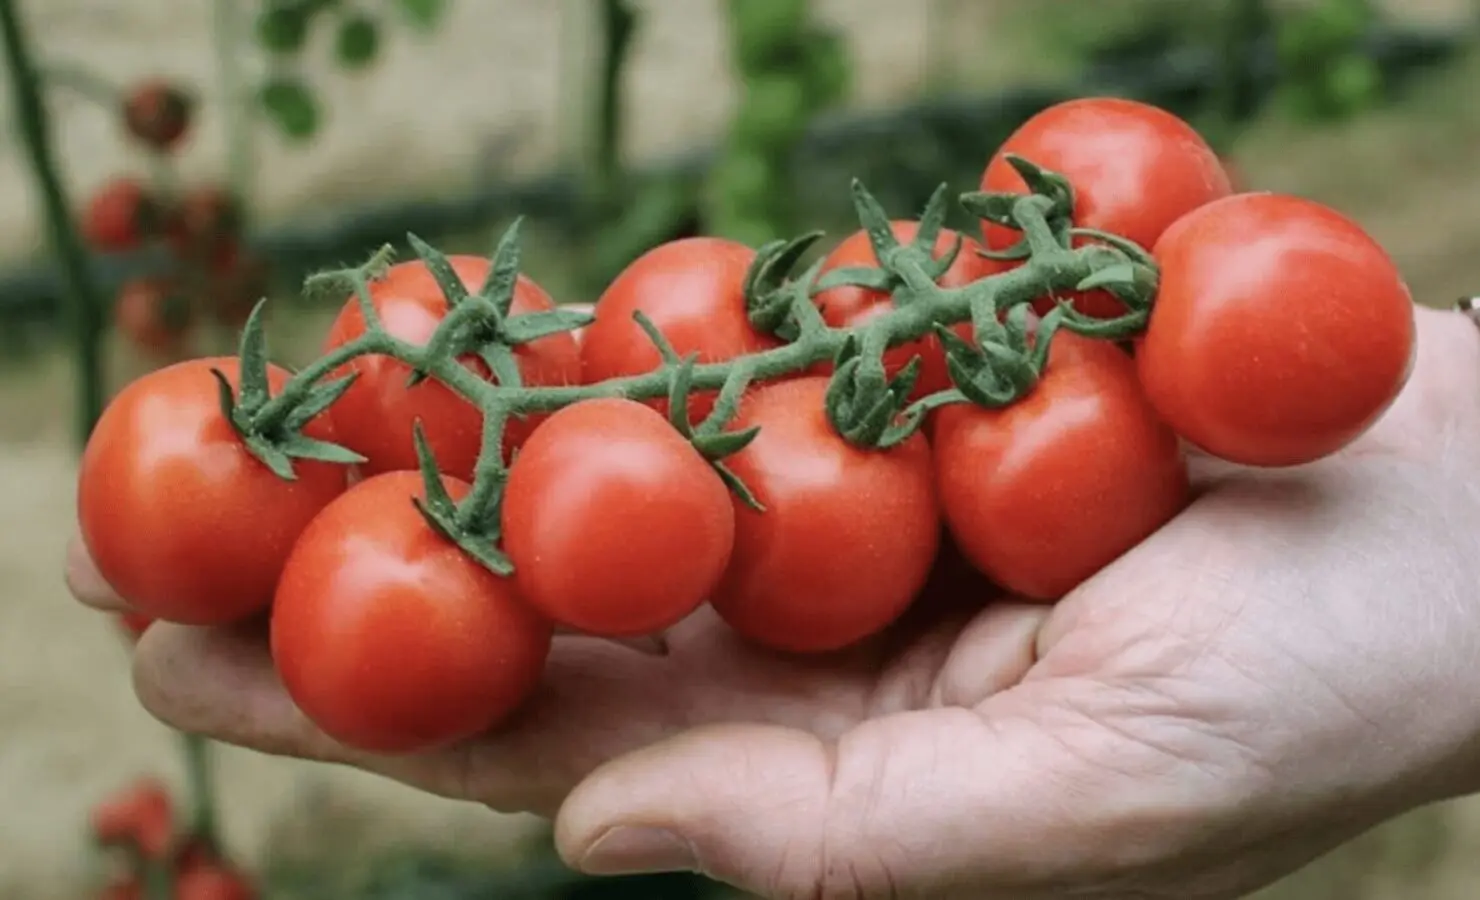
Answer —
618 24
83 294
1244 23
227 27
203 825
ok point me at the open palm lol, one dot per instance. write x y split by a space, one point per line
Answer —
1282 666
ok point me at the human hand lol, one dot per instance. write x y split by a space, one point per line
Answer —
1284 665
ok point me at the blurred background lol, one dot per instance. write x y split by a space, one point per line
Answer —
316 130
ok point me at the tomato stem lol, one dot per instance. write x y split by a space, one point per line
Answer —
203 825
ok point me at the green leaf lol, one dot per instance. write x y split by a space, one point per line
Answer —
739 487
1123 274
858 276
424 15
728 401
500 360
357 42
937 266
503 273
718 445
522 329
932 220
448 281
300 446
253 392
875 221
319 399
438 501
282 26
271 456
291 106
994 207
226 395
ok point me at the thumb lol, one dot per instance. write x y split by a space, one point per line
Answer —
940 803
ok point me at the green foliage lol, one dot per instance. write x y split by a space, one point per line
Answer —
284 28
1324 71
791 69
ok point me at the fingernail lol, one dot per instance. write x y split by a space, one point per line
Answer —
633 850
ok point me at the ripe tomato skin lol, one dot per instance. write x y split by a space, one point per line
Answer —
212 881
1285 301
851 306
389 637
154 315
141 815
848 536
134 625
376 415
118 215
615 524
1042 494
692 290
1135 169
181 520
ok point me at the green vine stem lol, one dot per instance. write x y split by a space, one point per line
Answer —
618 26
204 820
866 405
227 27
84 297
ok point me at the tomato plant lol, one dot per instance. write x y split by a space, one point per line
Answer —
692 290
212 881
141 816
157 113
205 223
1135 170
1281 299
179 518
847 305
376 416
1044 493
615 524
119 215
154 315
848 534
389 637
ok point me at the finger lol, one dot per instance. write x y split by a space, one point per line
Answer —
220 682
926 803
86 583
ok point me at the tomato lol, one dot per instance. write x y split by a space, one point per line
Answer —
1135 169
845 307
848 534
390 637
376 416
119 215
157 114
1281 330
692 290
1042 494
579 334
154 315
205 223
181 520
142 815
134 625
615 524
212 881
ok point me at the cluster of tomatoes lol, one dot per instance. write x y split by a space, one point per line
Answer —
1280 332
211 277
138 827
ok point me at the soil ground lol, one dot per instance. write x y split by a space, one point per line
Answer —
71 728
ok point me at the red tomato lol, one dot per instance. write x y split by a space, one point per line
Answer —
376 416
119 215
1135 169
154 315
212 881
157 114
845 307
181 520
130 888
391 638
142 815
1281 330
847 537
615 524
205 223
134 625
692 290
1044 493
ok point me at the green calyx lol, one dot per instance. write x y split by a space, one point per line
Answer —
278 440
866 403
